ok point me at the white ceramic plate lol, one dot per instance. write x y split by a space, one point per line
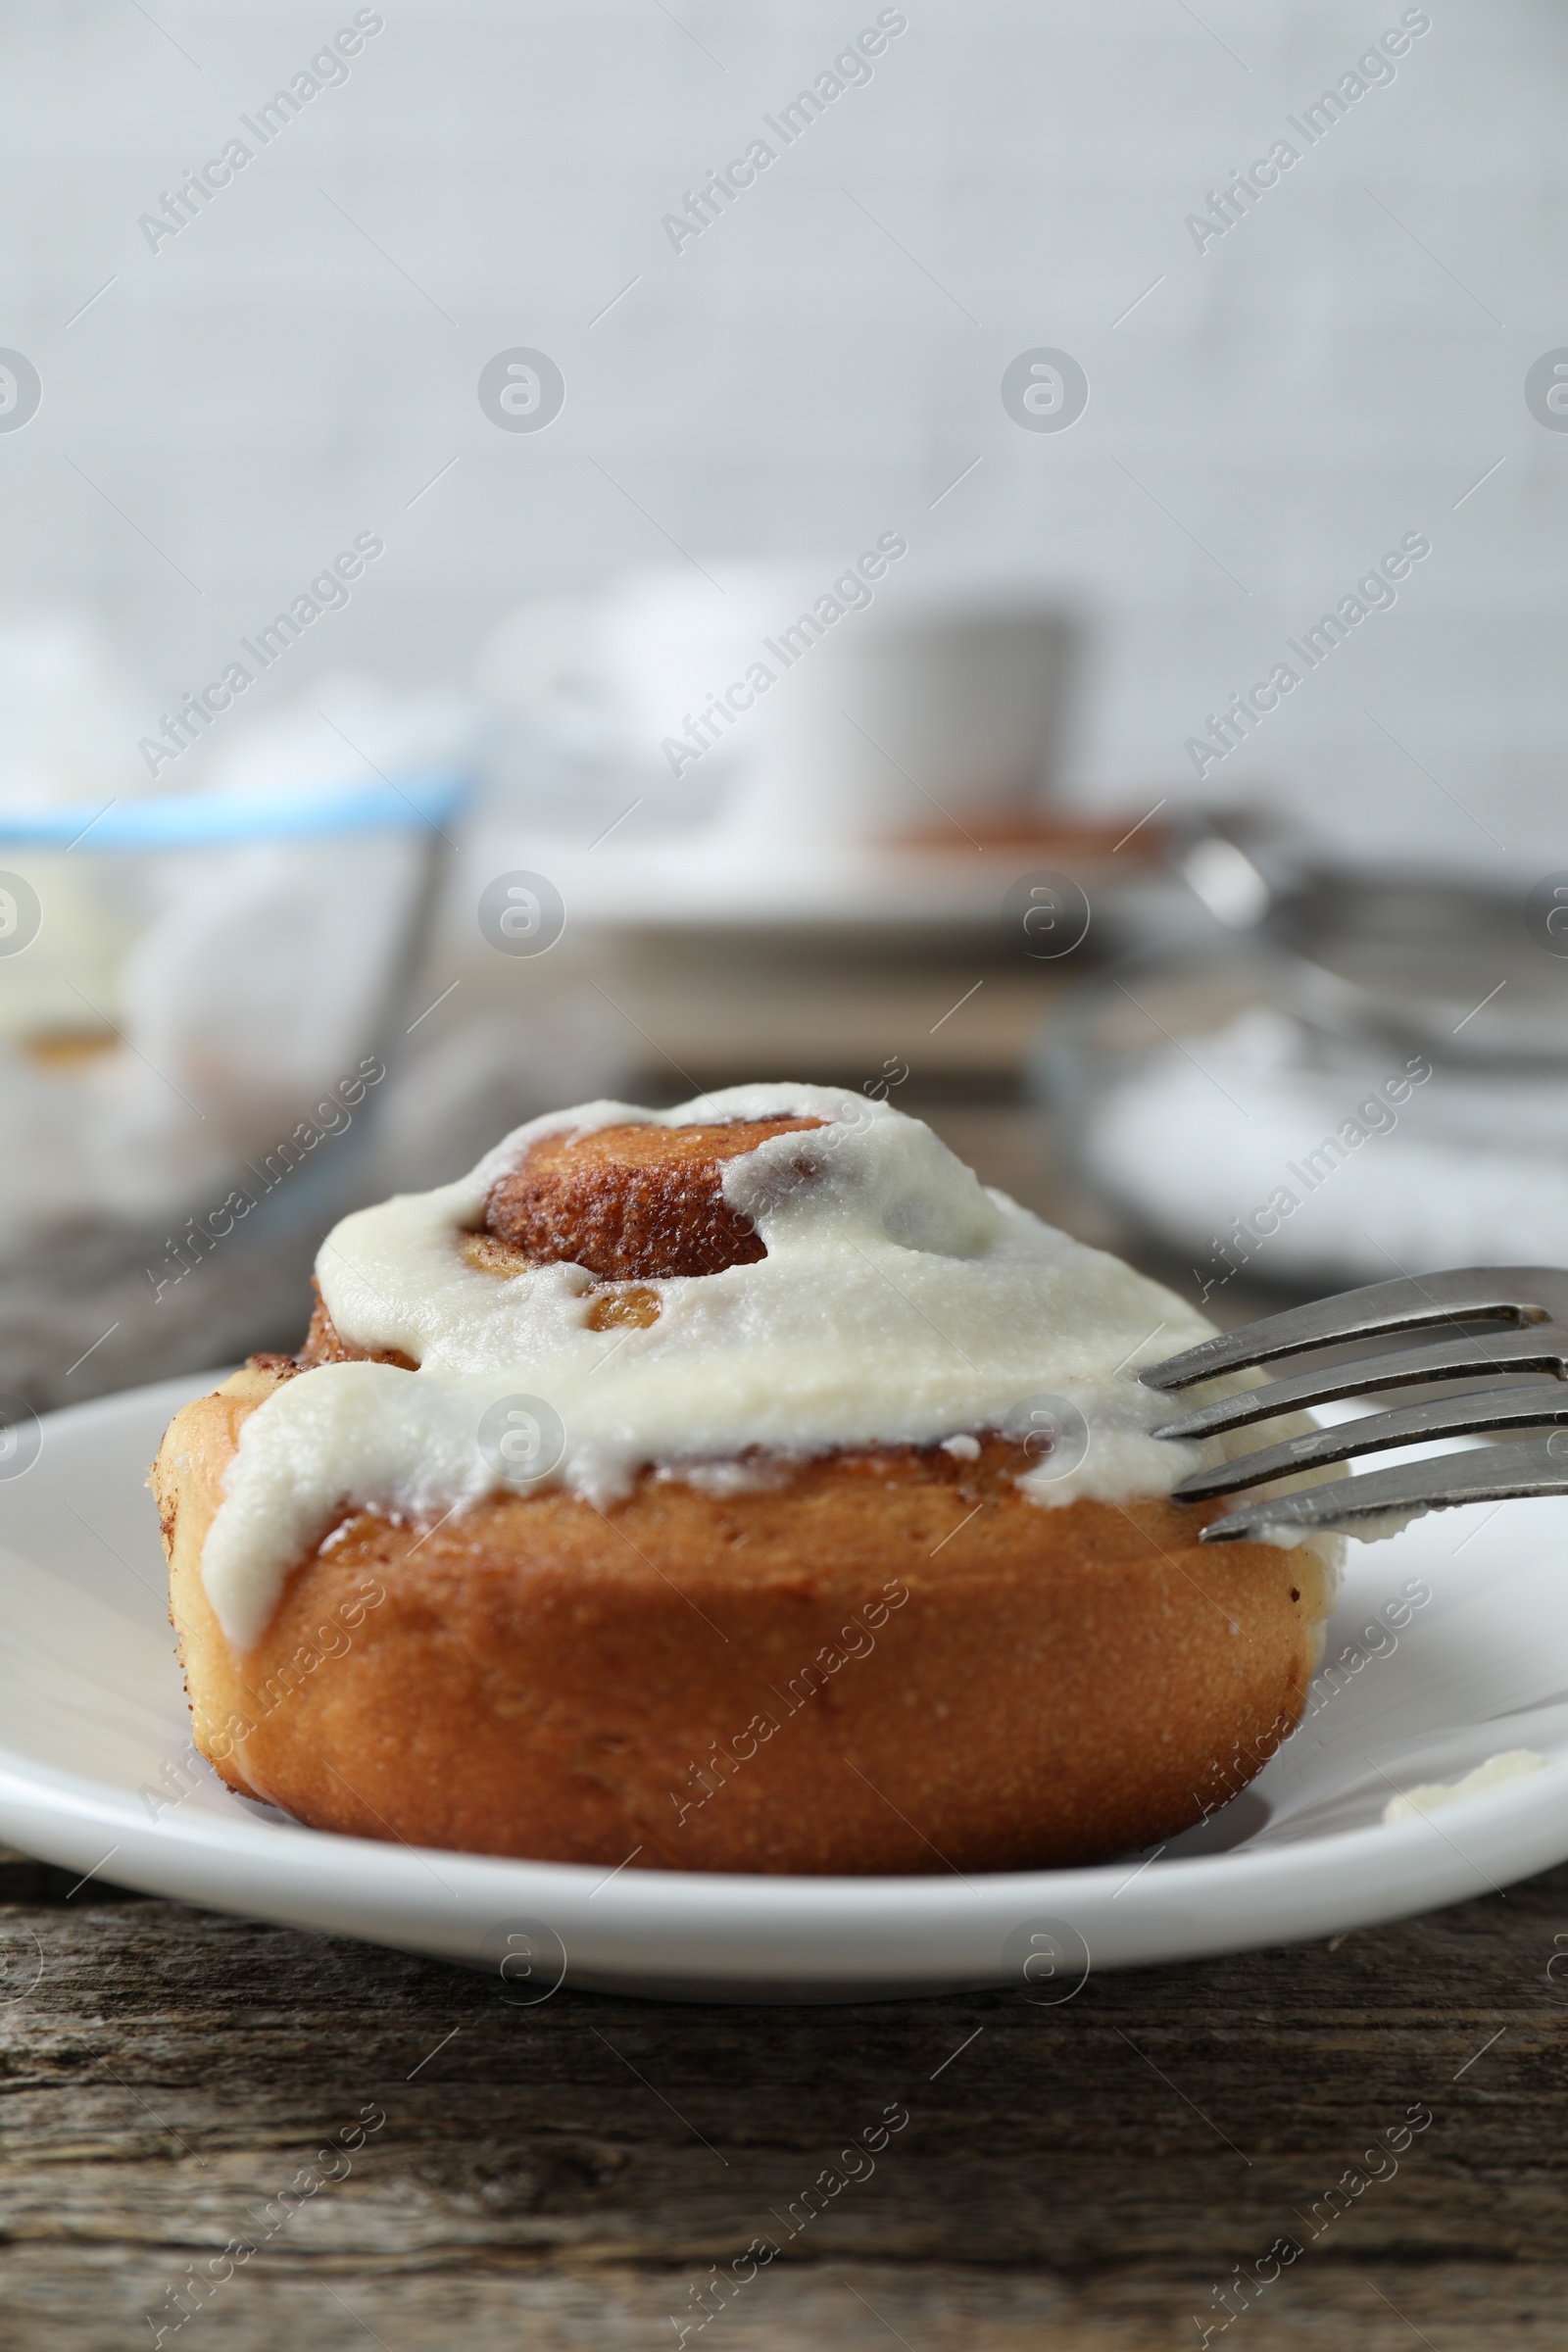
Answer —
97 1774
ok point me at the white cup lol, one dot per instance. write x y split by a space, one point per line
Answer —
907 709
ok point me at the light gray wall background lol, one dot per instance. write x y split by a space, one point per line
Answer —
818 367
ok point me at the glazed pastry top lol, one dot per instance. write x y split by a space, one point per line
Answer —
867 1289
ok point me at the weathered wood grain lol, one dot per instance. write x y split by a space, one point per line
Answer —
566 2175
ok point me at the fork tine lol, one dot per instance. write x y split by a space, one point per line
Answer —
1542 1348
1541 1404
1489 1474
1517 1292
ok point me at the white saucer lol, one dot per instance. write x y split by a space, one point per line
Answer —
94 1752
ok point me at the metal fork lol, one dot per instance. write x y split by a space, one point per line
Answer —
1532 1299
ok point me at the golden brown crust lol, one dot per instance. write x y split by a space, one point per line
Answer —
633 1204
488 1254
880 1662
324 1344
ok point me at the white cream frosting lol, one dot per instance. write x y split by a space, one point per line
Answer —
1435 1797
899 1300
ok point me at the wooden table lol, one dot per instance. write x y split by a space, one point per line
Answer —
570 2175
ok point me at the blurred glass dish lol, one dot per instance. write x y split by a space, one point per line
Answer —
177 1088
1369 1077
1470 972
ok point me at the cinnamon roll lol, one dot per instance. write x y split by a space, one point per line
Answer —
741 1487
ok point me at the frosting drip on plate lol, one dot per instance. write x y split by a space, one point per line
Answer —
899 1300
